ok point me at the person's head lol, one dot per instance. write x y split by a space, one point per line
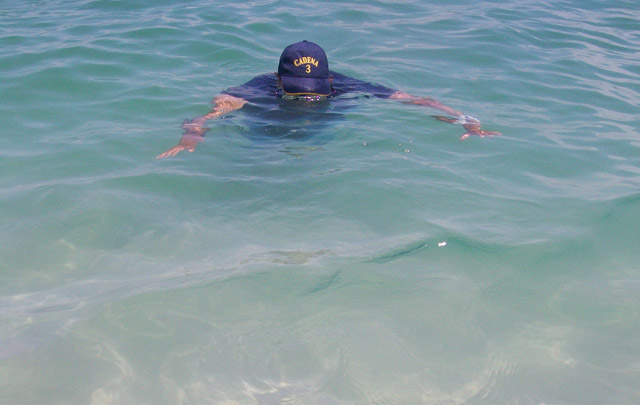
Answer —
304 70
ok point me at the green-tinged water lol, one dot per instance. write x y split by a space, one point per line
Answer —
379 261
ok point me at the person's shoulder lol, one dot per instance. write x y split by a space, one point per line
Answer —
346 84
265 78
343 83
339 76
258 86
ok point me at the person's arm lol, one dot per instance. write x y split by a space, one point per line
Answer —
471 124
194 129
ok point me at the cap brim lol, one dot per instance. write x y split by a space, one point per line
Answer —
306 85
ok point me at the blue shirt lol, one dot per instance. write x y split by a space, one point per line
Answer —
265 86
268 113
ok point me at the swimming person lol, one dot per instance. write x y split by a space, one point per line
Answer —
304 77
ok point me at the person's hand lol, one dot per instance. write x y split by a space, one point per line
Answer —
474 129
188 142
472 125
175 150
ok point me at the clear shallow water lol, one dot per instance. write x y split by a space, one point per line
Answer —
310 271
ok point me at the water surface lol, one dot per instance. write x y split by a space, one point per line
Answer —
380 260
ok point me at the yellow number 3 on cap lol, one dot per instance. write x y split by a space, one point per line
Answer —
308 69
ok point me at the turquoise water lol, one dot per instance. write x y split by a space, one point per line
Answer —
381 261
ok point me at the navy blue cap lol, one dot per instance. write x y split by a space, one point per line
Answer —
304 69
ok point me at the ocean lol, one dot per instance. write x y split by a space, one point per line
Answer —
379 260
